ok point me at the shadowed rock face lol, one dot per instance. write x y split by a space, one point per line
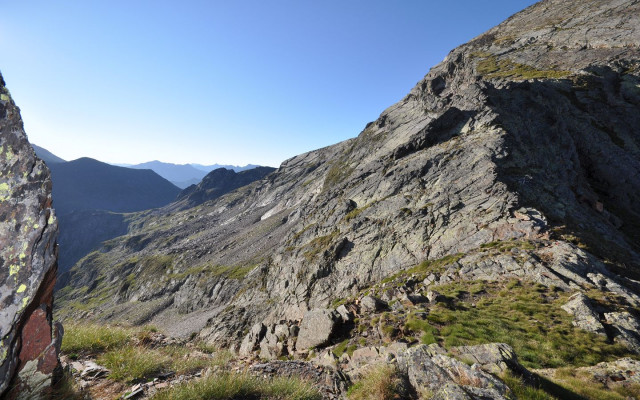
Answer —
528 132
29 344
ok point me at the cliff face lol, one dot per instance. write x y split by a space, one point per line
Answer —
29 343
527 134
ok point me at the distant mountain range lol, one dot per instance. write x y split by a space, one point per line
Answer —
92 199
88 184
184 175
89 197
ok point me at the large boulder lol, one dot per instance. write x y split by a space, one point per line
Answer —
317 328
627 329
584 316
443 377
252 339
29 342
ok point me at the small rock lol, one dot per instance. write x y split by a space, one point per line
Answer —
435 297
372 304
251 341
345 314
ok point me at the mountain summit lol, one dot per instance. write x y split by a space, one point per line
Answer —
510 171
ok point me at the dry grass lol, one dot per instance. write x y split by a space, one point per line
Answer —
227 386
379 383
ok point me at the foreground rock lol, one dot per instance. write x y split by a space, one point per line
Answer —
29 341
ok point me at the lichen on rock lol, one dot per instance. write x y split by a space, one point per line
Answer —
29 344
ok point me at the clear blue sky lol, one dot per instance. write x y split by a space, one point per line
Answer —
233 82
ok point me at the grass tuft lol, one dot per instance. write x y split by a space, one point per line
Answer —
381 382
132 363
228 385
93 338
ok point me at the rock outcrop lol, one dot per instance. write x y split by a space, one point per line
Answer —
29 340
516 158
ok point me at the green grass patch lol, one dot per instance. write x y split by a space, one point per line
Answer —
435 265
93 338
525 315
504 246
227 386
379 382
583 384
492 67
522 391
133 363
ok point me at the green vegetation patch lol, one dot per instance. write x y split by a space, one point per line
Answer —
379 382
228 385
132 363
583 384
318 245
338 172
492 67
525 315
93 338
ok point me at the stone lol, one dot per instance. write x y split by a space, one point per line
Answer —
91 371
345 314
585 317
450 391
416 299
269 346
326 359
627 329
252 340
430 371
29 340
316 328
495 358
372 304
435 297
281 331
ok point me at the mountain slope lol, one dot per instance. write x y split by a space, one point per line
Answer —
516 158
89 195
87 184
217 183
47 156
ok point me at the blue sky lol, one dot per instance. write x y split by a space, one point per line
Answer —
229 82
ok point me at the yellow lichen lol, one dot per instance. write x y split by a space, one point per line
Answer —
13 269
21 288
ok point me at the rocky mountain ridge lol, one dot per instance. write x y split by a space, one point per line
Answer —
514 160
